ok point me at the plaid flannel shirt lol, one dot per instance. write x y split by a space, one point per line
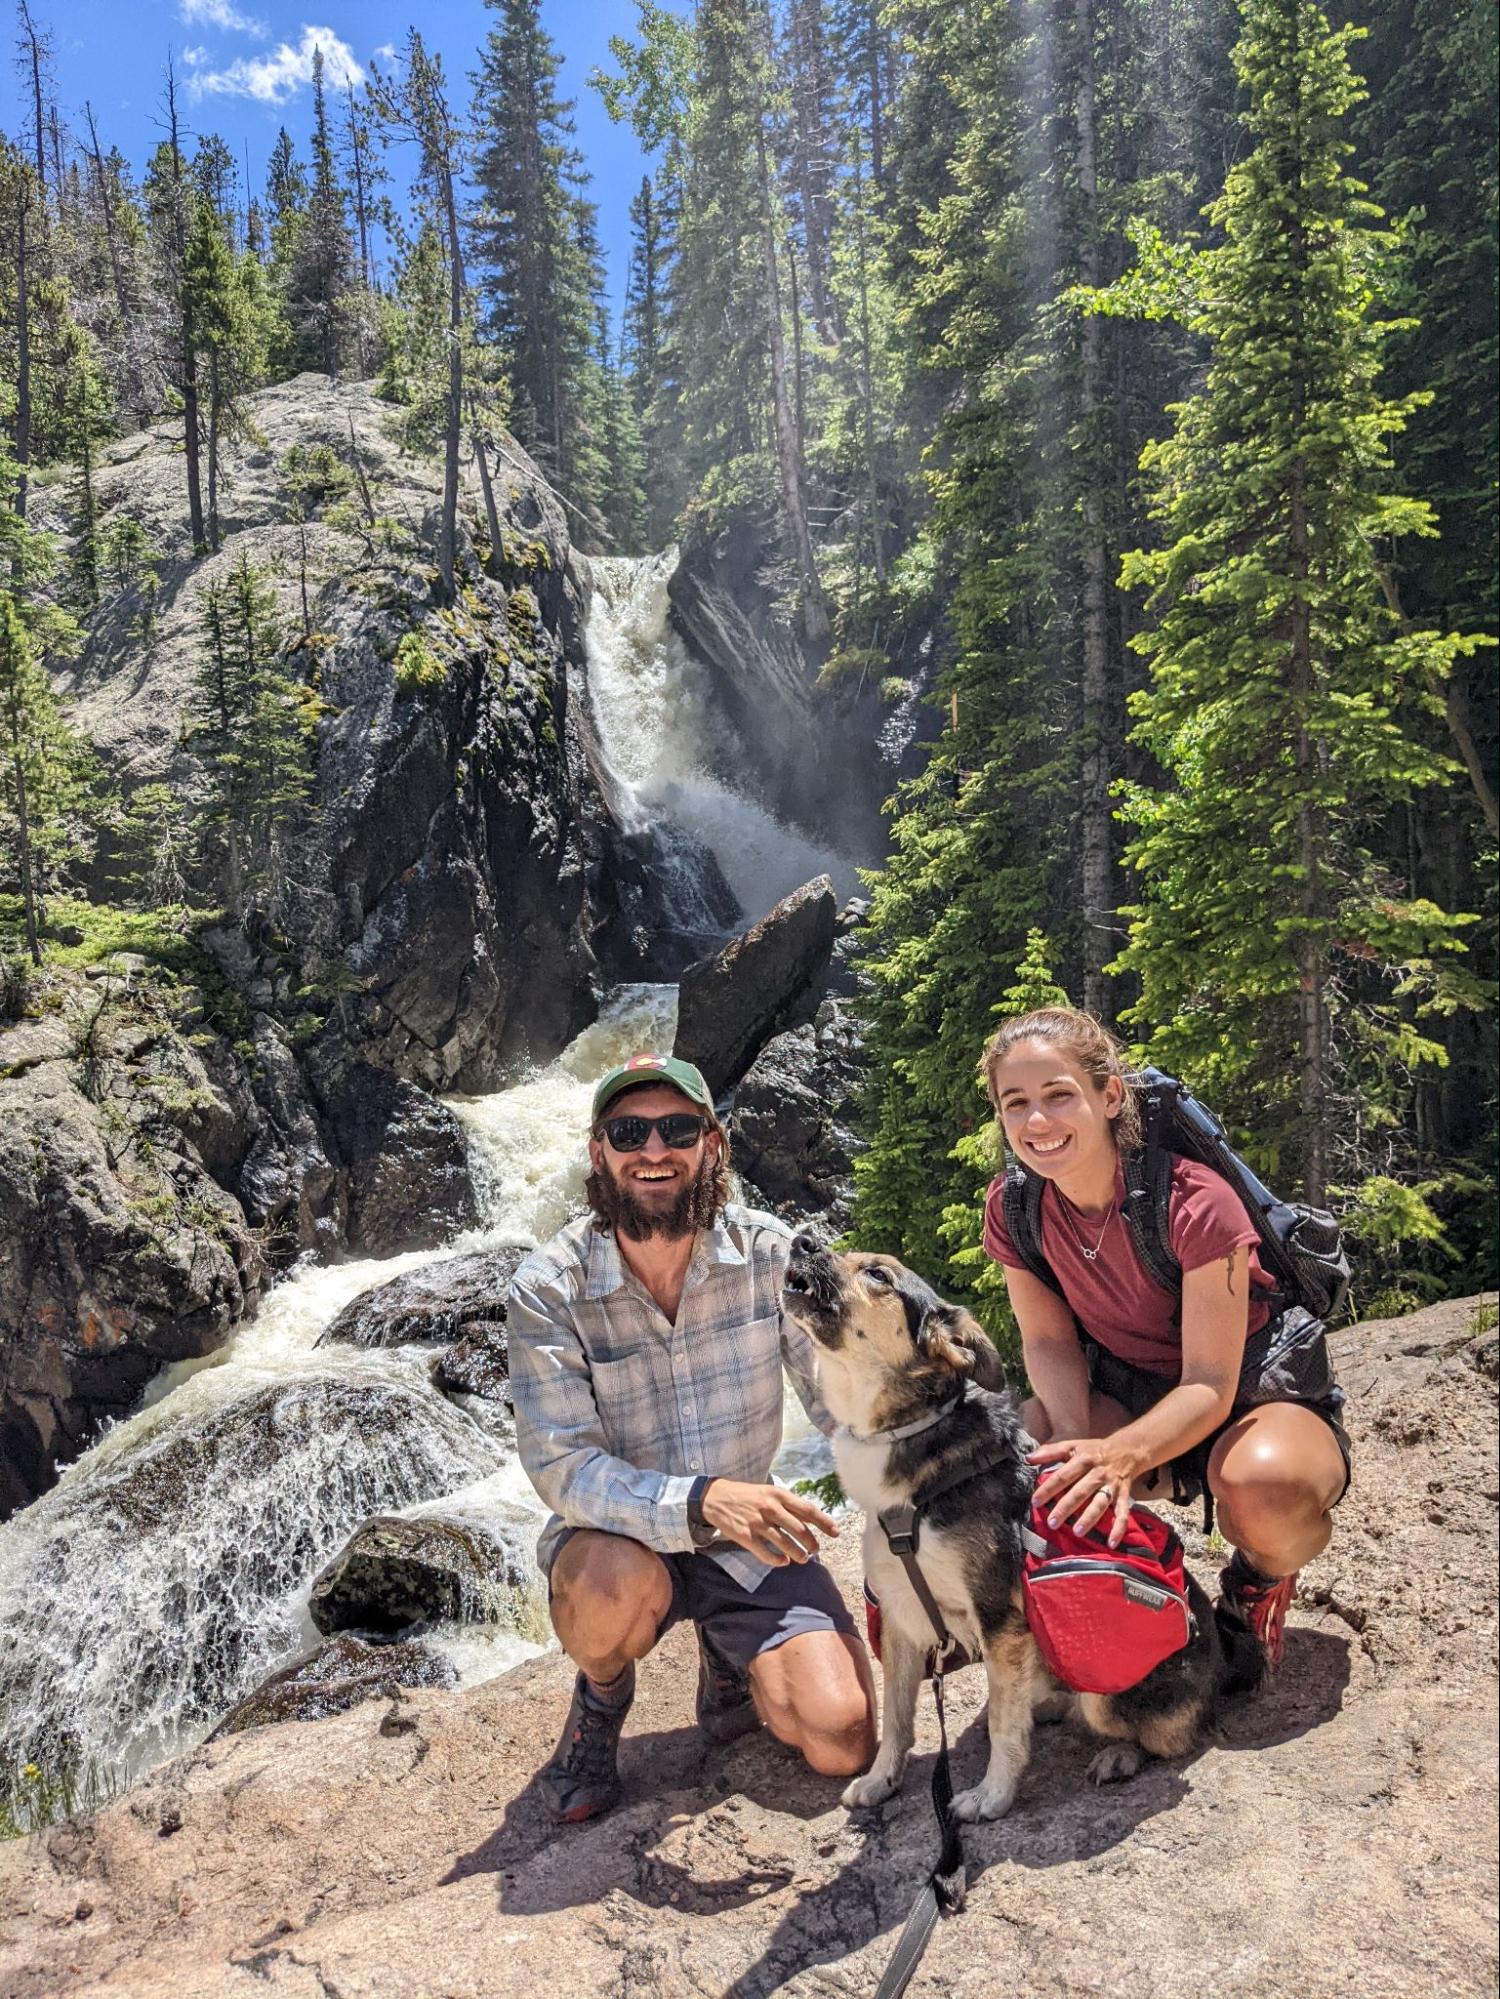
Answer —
618 1412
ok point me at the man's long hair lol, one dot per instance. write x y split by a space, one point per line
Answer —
698 1206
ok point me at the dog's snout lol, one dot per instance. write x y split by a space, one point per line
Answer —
805 1244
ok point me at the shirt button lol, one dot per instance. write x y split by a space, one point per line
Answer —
693 1465
687 1408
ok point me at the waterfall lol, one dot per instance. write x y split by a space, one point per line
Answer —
667 752
168 1571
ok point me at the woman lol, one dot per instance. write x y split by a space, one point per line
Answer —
1137 1392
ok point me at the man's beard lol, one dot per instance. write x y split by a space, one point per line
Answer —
695 1205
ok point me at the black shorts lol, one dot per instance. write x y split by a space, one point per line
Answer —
742 1622
1137 1390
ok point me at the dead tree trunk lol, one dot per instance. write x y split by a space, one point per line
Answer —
1097 864
815 623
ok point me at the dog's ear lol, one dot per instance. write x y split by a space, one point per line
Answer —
954 1339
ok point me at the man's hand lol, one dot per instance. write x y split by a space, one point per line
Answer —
772 1523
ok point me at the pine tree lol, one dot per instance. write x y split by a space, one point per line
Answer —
412 105
230 316
320 275
255 731
169 200
365 177
535 244
45 772
1286 706
996 200
413 339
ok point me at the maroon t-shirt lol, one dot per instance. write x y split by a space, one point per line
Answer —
1115 1298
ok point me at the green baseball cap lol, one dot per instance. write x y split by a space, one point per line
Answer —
652 1069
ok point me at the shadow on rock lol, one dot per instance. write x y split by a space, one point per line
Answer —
676 1840
1058 1817
1307 1692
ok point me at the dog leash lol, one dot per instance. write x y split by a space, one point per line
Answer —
945 1888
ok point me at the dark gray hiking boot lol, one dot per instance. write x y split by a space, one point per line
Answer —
583 1778
725 1708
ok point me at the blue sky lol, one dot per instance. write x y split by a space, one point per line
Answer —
244 67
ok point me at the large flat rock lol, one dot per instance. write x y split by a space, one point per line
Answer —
1338 1838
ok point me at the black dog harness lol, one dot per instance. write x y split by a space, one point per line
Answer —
947 1885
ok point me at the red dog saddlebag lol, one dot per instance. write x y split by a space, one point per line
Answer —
1103 1618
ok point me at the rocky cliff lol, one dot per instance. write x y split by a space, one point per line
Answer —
1338 1835
442 872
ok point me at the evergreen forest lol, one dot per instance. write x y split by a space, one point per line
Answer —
1111 384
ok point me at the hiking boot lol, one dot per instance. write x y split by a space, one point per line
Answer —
725 1708
583 1778
1257 1605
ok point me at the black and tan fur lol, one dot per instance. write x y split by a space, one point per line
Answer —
891 1351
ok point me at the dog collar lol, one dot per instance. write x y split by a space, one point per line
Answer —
895 1436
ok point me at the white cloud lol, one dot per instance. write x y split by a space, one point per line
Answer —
221 14
386 52
272 79
194 57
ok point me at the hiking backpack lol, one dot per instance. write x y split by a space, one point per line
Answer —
1300 1247
1103 1617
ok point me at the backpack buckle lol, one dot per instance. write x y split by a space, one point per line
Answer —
901 1526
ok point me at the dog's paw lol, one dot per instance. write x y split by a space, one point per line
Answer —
872 1789
1115 1762
985 1801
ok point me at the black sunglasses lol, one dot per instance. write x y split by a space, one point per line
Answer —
681 1131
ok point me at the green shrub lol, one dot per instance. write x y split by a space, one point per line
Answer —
417 665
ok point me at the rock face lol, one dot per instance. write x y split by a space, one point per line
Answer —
397 1573
1337 1835
403 1157
812 749
791 1133
338 1676
441 1301
119 1249
765 980
455 864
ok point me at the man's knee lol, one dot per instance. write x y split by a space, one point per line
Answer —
609 1585
819 1697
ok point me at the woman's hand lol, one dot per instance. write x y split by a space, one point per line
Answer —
1090 1477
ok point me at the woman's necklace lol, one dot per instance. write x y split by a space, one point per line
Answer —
1088 1254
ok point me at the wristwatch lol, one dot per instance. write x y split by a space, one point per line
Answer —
703 1535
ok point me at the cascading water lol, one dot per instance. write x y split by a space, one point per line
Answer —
168 1570
663 744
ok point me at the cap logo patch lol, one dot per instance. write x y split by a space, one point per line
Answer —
645 1061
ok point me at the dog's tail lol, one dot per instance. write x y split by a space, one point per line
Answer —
1241 1664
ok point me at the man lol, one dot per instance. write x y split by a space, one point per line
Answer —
646 1353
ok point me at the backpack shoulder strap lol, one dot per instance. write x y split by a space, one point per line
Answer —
1147 1212
1021 1206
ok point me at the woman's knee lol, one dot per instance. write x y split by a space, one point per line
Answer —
1263 1478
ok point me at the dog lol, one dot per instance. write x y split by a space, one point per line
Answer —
894 1357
